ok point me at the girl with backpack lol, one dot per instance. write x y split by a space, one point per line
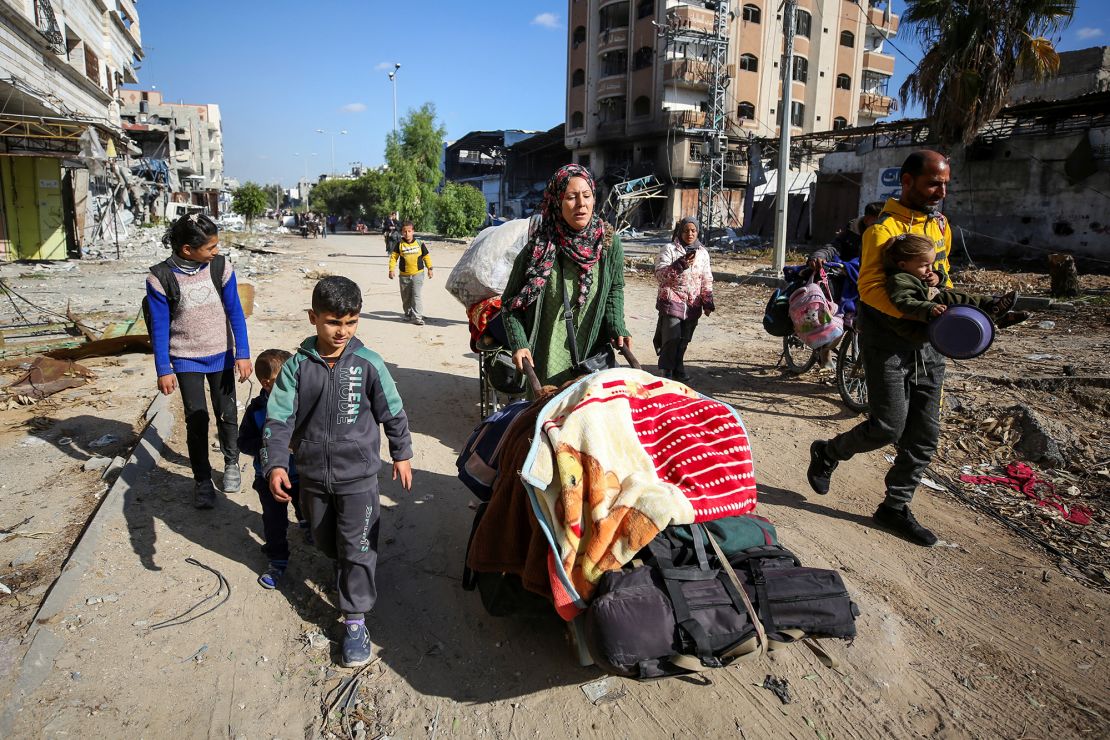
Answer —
199 335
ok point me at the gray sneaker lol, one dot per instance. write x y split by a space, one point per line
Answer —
233 479
418 320
204 494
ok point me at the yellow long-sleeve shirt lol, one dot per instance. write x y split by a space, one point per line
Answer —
898 219
412 256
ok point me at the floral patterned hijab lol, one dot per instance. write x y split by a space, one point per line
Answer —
554 237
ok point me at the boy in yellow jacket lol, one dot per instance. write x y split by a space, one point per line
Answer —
411 256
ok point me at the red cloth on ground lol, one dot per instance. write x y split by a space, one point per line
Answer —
1023 479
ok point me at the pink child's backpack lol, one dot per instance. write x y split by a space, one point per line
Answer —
814 313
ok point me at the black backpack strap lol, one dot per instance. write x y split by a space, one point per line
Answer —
216 268
683 618
761 634
164 273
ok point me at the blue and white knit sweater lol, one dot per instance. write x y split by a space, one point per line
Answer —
208 332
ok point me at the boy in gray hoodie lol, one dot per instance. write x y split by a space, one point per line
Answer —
328 405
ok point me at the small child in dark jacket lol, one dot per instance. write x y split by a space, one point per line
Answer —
908 259
330 403
275 514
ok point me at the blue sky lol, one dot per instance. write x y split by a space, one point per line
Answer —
279 73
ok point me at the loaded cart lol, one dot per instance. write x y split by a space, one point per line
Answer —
625 503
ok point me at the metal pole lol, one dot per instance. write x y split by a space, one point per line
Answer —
333 154
787 68
393 78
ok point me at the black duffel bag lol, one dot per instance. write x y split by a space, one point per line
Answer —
657 619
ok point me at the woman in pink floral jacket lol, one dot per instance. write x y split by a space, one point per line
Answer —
685 293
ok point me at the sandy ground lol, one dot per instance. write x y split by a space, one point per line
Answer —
980 637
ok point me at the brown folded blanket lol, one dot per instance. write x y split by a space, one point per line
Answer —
508 538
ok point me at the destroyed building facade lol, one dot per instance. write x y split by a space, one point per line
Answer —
632 97
181 148
509 167
62 66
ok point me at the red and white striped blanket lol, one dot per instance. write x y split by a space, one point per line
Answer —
622 454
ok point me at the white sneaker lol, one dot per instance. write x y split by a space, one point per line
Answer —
418 321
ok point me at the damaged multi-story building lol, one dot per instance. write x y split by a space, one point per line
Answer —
61 69
634 97
181 148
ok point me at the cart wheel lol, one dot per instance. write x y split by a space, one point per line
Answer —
850 380
799 357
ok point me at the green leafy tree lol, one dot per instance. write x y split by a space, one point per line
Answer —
973 51
460 210
249 201
372 192
340 197
413 157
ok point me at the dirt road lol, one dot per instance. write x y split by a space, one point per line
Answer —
979 637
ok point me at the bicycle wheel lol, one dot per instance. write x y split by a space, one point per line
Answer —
799 357
850 380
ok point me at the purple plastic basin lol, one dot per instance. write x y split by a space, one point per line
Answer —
961 332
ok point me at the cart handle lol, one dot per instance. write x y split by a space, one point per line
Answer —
629 357
533 379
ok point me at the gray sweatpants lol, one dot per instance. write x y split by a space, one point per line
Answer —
345 527
903 391
411 286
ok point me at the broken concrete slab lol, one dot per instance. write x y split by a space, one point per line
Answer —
1038 443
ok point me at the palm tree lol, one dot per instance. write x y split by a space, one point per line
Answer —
973 50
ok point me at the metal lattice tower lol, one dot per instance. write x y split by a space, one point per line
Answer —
714 139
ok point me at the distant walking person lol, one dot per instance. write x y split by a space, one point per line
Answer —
199 334
685 293
389 230
410 257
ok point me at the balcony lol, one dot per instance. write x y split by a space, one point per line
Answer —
692 73
875 17
881 63
612 38
608 87
690 18
873 105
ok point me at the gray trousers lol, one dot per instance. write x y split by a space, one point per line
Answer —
903 390
411 286
674 337
345 527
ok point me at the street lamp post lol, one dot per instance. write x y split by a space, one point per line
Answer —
393 79
332 134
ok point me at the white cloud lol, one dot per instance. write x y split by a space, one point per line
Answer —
353 108
547 20
1089 33
383 65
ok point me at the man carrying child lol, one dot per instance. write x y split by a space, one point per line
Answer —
329 403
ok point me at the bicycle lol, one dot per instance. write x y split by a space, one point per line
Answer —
848 363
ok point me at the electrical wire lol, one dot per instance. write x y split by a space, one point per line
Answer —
221 582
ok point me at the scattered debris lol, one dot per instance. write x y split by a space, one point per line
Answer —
96 463
604 690
104 441
316 641
317 274
4 589
1036 443
46 376
780 687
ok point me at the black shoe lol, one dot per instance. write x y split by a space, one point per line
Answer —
820 467
1010 318
204 494
902 523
